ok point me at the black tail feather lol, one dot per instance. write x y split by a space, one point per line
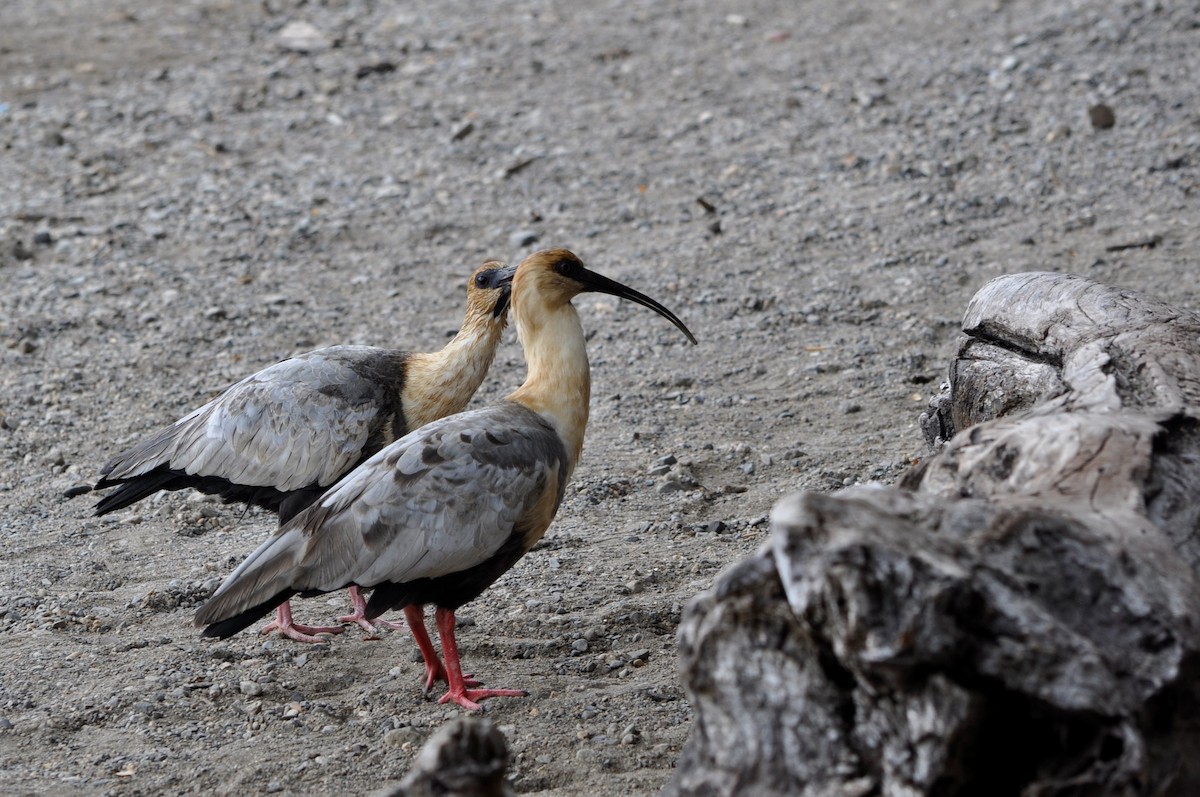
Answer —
130 491
135 489
388 596
223 629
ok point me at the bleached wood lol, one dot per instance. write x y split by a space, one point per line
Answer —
1020 619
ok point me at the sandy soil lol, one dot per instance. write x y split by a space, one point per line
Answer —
817 188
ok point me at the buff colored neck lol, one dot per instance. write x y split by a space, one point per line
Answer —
558 384
442 383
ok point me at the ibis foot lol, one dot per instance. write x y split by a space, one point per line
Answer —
469 698
301 633
359 615
459 693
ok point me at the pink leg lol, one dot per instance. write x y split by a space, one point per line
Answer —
459 692
359 616
434 672
301 633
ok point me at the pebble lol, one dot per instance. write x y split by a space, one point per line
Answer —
1101 116
523 238
397 737
5 724
302 37
251 688
580 645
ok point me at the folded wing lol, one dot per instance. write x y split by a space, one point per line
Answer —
438 501
299 423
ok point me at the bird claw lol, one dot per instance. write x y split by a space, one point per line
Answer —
467 698
360 619
302 633
438 673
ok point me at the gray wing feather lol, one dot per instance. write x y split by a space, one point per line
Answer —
440 500
300 422
437 501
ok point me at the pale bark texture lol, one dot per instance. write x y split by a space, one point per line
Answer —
466 757
1019 619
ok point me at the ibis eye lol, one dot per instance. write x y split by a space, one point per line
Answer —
564 267
484 279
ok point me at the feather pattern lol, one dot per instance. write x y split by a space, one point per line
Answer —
439 501
301 422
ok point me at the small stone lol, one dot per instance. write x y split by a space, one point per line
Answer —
42 238
251 688
398 737
580 645
850 407
274 787
5 725
302 37
1101 116
1058 133
523 238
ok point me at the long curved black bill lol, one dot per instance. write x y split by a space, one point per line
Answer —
502 278
601 284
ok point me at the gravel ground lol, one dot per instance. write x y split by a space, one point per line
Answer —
197 189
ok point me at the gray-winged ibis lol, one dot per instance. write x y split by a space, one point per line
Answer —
280 437
444 511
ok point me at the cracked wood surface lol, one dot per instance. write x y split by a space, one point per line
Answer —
1018 618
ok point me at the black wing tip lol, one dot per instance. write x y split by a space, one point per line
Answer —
223 629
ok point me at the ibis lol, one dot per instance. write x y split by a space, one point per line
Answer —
440 514
281 437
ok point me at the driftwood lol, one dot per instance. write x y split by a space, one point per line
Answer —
1019 619
466 757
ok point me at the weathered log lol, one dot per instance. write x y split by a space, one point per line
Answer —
1020 618
466 757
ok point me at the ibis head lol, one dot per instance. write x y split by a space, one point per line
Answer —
489 291
553 277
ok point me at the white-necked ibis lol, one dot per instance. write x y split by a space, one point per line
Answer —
281 437
441 513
